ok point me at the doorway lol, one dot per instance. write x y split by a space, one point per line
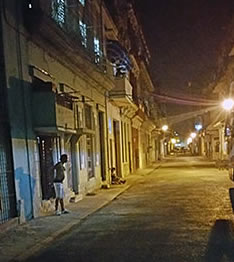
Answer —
129 157
102 144
48 146
117 147
72 175
135 148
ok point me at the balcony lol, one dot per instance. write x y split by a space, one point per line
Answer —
52 113
121 94
88 125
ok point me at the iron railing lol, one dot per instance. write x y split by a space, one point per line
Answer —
7 191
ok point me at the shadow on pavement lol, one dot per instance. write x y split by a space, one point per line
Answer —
231 195
220 243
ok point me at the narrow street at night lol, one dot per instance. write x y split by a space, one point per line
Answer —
117 131
180 212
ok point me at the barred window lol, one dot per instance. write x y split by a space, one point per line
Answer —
97 50
58 11
83 32
82 2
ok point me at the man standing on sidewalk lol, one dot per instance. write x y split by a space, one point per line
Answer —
58 185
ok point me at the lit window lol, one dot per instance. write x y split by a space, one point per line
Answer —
110 125
97 49
58 11
83 32
82 2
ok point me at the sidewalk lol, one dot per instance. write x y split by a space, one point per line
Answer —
21 241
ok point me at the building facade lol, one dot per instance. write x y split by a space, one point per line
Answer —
70 84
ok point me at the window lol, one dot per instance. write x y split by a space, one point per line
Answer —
90 156
83 32
49 152
58 11
88 117
97 49
82 2
64 100
122 135
110 125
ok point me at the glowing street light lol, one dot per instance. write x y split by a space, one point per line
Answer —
198 127
193 135
189 140
173 140
164 128
228 104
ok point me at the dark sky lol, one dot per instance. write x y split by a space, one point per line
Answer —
184 38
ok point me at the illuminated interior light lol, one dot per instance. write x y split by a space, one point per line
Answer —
165 128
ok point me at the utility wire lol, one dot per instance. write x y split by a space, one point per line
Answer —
185 116
190 101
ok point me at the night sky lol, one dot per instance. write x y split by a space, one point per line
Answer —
184 38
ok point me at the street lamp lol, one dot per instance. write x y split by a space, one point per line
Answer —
173 140
193 135
164 128
228 104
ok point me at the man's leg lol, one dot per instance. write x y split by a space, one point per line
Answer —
64 211
56 204
62 205
57 212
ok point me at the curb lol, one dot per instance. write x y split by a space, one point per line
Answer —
41 245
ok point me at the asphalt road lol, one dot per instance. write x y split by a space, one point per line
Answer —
179 213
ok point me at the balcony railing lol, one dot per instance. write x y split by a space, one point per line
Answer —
122 92
52 112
